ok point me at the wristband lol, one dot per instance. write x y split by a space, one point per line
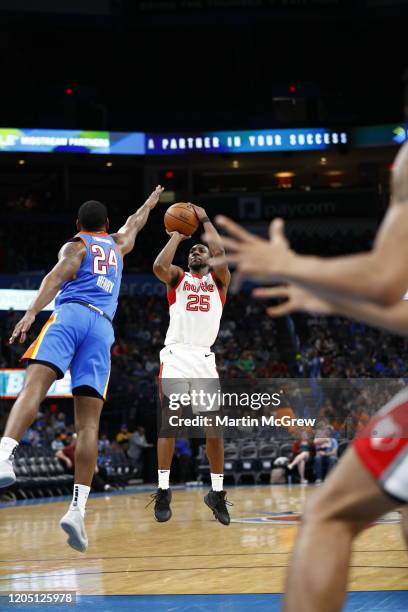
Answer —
205 220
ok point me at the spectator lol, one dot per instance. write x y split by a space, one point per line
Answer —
67 453
123 437
326 454
60 421
57 444
104 444
137 445
67 456
31 437
302 450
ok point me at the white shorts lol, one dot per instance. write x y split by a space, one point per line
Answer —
185 369
383 447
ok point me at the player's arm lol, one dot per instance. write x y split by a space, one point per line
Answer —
126 235
391 318
60 454
163 266
380 276
216 247
69 261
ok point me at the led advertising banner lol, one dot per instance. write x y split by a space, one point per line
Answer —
248 141
244 141
380 135
11 383
18 290
19 299
71 141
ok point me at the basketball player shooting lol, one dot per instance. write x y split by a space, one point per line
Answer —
78 336
196 299
372 476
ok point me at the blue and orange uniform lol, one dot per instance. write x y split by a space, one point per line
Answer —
79 334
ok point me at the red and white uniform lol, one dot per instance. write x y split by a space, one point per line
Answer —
383 447
196 306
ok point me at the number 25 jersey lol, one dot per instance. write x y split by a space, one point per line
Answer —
98 279
195 305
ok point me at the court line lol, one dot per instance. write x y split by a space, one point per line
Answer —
181 556
184 569
235 554
131 490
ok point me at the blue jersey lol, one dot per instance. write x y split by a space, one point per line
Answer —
97 281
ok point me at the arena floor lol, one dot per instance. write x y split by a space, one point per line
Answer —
135 563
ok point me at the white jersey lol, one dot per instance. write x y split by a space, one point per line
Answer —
195 305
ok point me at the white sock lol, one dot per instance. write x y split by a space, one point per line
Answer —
7 446
164 477
80 497
217 481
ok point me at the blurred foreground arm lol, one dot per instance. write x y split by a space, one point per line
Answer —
379 276
392 318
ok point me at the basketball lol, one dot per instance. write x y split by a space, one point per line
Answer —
181 217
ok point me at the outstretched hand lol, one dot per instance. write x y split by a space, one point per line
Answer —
200 212
297 299
154 197
253 256
21 329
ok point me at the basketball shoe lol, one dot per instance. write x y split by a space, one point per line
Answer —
217 502
7 475
74 526
162 510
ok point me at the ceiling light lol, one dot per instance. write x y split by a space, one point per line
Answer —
334 173
284 175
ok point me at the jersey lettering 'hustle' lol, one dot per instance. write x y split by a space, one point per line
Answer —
196 305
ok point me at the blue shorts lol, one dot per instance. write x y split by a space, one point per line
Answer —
79 339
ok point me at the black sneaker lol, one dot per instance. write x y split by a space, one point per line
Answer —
162 510
217 501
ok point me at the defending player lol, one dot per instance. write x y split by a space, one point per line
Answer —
196 299
372 476
78 336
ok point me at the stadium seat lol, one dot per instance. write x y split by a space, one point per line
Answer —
248 466
267 454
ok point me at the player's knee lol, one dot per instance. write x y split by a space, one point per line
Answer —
322 508
89 427
32 392
312 509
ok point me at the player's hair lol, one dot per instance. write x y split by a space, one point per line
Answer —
92 215
201 244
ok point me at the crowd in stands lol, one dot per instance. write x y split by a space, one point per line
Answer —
249 345
334 357
41 234
349 368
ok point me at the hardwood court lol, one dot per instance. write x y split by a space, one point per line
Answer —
130 553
